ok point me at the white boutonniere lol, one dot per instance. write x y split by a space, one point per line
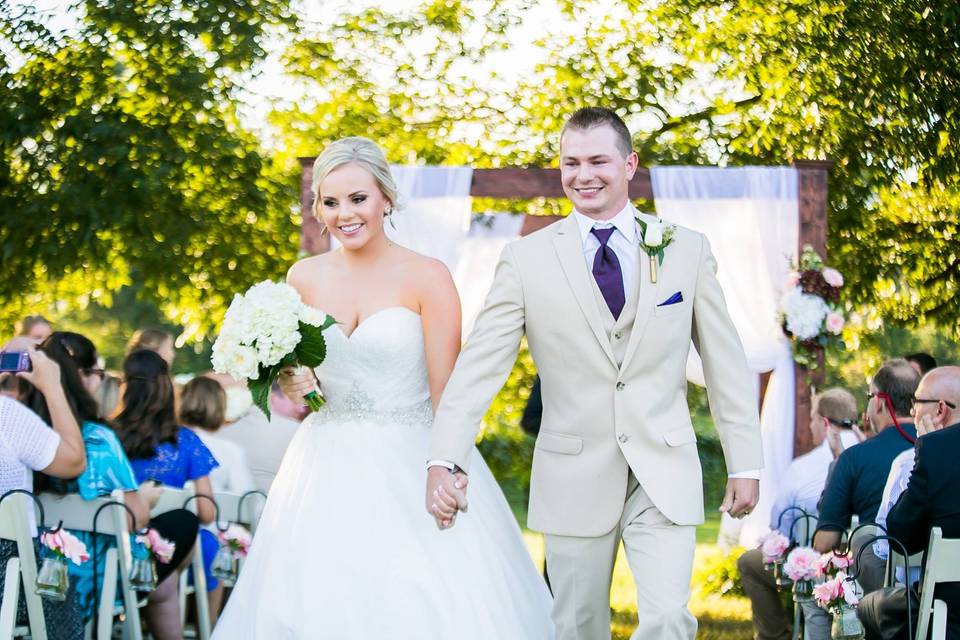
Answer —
655 236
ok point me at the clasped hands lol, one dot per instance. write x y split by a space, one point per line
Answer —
446 495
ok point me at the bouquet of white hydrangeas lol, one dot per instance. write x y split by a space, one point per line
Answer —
266 329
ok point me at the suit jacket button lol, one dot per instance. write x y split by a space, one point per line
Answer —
617 335
620 386
623 437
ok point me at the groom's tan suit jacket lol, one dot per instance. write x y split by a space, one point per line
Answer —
614 392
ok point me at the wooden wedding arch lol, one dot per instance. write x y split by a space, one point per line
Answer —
536 182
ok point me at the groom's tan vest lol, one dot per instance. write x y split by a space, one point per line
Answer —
614 392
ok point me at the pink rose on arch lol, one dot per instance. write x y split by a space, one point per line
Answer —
802 564
793 279
834 323
833 277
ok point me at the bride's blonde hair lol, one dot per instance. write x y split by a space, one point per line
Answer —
357 150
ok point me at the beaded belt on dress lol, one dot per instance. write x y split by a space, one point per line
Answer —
359 406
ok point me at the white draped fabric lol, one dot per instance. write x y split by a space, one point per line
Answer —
434 215
751 217
478 261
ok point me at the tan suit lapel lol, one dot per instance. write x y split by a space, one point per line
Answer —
649 296
569 250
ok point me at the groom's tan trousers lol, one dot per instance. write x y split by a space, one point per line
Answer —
660 554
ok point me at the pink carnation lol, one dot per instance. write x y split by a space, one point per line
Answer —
66 544
161 548
793 279
826 593
833 277
773 545
834 323
238 538
802 564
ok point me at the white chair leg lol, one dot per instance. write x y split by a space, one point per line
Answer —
183 591
939 630
200 593
108 595
11 594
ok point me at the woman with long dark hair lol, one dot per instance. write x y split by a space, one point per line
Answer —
163 451
108 469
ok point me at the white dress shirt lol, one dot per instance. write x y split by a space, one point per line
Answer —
897 481
624 241
803 483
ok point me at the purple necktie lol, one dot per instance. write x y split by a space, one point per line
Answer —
606 271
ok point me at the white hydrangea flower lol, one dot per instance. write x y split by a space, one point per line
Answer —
311 316
804 313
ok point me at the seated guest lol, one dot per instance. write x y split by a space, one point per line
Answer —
856 484
924 495
161 450
265 441
203 404
801 487
156 340
27 444
922 362
36 328
109 469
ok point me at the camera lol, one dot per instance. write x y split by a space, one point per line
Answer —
13 361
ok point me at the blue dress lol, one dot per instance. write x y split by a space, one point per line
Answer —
107 469
175 465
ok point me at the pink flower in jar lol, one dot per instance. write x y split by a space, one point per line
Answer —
802 564
773 546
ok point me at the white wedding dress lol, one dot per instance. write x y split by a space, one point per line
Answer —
345 548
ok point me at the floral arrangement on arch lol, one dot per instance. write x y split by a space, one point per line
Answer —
810 311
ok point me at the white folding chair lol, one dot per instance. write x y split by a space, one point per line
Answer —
15 526
943 565
173 498
895 560
78 514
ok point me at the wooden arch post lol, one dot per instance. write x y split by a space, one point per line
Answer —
536 182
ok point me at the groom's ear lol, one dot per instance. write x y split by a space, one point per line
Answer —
632 162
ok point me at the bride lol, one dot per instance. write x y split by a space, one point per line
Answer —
344 550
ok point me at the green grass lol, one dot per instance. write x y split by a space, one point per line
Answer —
719 618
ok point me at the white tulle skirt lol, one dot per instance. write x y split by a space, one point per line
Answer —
345 549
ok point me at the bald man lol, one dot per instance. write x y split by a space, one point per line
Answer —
910 508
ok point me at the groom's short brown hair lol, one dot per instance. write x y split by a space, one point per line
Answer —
591 117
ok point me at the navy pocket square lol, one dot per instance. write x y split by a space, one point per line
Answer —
676 298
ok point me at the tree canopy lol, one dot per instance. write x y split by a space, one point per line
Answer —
124 158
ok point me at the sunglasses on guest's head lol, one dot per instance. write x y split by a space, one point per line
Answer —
914 400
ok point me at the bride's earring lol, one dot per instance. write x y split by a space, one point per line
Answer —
388 215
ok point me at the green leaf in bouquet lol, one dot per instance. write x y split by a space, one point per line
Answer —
313 346
260 388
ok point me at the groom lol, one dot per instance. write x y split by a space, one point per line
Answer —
616 456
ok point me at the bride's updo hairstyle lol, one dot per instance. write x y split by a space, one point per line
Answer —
360 151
